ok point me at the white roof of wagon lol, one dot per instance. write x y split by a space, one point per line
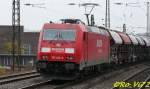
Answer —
116 37
141 41
133 39
146 40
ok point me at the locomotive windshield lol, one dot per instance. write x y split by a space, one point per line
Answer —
56 34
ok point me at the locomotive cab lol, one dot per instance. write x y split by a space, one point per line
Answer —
58 50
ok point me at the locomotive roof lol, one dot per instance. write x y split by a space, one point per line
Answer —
63 26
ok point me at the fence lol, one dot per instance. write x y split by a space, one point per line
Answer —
25 60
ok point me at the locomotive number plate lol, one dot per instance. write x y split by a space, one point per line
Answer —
58 49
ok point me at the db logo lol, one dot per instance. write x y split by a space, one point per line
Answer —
58 45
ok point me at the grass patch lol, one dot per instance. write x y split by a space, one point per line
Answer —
2 70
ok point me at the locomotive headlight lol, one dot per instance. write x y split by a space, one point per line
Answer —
70 57
44 49
45 57
69 50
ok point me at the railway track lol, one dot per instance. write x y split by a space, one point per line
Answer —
103 77
33 86
146 84
18 77
50 84
18 81
136 80
106 80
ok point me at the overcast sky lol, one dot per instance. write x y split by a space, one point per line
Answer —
33 18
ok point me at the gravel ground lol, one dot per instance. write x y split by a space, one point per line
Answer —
47 87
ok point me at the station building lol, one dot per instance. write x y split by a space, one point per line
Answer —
29 40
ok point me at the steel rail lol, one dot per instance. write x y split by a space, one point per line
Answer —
36 85
19 78
146 80
132 76
18 74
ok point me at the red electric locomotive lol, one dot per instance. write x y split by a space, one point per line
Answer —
71 47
